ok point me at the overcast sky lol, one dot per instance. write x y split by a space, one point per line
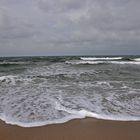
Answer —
69 27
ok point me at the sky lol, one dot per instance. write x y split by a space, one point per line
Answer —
69 27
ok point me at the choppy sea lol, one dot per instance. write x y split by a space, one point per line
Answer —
36 91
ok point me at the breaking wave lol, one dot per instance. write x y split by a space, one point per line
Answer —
100 58
110 59
13 63
102 62
73 115
137 59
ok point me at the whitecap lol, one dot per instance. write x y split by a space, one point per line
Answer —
102 62
100 58
84 62
137 59
13 63
8 79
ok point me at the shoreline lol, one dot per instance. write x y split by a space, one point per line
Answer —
78 129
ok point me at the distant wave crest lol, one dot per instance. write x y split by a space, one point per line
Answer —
12 63
109 59
100 58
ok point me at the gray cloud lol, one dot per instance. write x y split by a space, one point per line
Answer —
58 6
42 27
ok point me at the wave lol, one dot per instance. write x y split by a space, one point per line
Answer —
73 115
89 62
8 79
12 63
137 59
12 80
84 62
109 58
59 106
125 62
100 58
49 94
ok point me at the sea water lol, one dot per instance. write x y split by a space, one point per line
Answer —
36 91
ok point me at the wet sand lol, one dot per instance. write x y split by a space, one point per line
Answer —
81 129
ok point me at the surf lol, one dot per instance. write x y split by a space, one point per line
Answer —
100 58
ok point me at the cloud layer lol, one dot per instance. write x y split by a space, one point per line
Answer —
64 27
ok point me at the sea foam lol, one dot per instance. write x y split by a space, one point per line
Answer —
74 115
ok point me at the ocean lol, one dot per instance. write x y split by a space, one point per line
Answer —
37 91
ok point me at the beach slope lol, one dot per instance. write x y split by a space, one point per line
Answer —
81 129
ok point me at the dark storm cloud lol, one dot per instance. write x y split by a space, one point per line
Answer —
82 26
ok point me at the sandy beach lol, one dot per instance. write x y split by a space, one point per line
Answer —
81 129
